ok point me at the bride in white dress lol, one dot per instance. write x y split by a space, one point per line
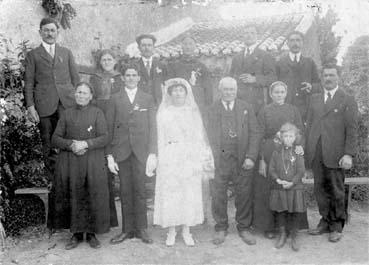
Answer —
184 160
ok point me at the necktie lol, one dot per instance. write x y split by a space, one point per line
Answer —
51 51
228 106
329 98
295 59
248 52
147 66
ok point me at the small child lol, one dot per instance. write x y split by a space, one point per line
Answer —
287 200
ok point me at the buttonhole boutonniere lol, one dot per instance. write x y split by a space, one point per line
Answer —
136 107
198 72
158 70
293 159
112 80
60 59
245 112
89 129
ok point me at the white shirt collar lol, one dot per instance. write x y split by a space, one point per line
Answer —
131 93
145 60
292 56
252 48
231 104
47 46
332 92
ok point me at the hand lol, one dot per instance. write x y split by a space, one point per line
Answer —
248 164
345 162
79 146
247 78
299 150
33 114
151 164
307 87
193 79
287 185
262 168
208 165
112 165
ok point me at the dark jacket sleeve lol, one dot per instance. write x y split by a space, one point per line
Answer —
58 137
110 121
351 125
206 83
300 170
261 122
102 137
233 72
300 125
73 70
268 75
29 79
272 171
153 144
255 135
316 85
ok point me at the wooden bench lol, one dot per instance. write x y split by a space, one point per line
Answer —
350 182
42 193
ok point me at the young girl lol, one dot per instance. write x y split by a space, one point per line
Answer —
287 200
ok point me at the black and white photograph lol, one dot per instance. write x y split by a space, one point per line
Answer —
184 132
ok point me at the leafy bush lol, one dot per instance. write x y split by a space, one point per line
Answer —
21 153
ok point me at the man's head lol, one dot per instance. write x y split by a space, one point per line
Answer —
228 89
295 41
49 30
188 45
131 76
146 43
251 35
330 76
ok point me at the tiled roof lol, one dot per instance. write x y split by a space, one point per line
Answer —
221 38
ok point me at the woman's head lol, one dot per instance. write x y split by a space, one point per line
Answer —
106 61
83 94
278 92
289 133
177 89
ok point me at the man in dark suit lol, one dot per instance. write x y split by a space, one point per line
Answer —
188 67
299 73
331 145
50 77
151 70
234 136
254 70
132 124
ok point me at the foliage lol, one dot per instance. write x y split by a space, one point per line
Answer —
328 42
21 153
60 10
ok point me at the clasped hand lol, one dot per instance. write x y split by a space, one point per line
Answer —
248 78
285 184
79 147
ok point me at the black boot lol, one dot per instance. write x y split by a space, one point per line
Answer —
294 244
282 237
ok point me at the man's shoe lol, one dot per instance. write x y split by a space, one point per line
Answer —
334 236
93 241
121 237
74 241
219 237
144 236
318 231
247 237
269 234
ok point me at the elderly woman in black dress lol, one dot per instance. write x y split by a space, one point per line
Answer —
81 135
271 118
107 82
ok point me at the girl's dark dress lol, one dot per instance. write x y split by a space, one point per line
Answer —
271 118
106 86
82 195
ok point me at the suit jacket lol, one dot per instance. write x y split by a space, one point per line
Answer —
262 66
151 84
50 80
335 125
132 127
293 75
248 131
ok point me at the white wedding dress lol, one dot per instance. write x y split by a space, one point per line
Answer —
183 151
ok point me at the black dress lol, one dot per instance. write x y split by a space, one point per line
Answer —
271 118
82 194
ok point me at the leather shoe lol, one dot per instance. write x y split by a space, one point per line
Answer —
247 237
121 237
269 234
93 241
219 237
144 236
334 236
318 231
73 241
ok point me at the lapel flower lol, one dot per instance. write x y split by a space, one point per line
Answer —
293 159
60 59
335 110
112 80
136 107
198 72
245 112
158 70
89 129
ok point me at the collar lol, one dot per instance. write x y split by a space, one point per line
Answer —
332 92
131 91
145 60
231 104
292 56
252 48
47 46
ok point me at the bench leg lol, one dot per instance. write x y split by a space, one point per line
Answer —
349 203
45 200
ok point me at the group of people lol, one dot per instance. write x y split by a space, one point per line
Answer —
160 120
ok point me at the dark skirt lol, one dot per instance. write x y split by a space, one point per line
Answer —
292 201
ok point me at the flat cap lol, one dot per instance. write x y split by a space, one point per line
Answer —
145 36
